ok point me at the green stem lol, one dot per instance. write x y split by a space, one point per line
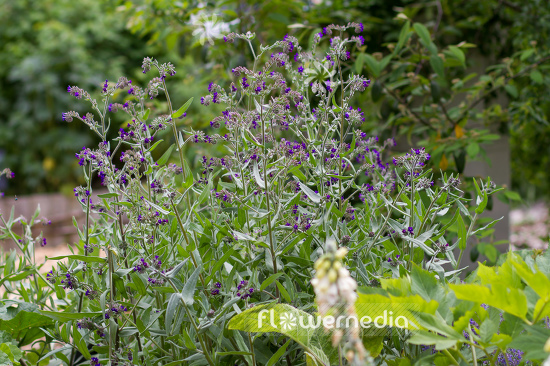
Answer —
453 360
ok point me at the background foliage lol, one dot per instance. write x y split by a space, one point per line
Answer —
60 42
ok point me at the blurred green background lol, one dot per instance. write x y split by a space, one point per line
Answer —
492 55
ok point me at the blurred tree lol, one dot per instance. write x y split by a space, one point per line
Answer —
45 46
422 55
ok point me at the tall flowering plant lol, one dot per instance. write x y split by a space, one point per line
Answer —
168 256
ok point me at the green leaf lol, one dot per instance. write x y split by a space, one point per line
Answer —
190 286
532 342
23 322
373 65
107 195
512 195
425 284
533 277
68 316
536 76
425 37
482 203
277 355
164 158
83 258
138 282
437 65
510 300
377 306
438 325
182 109
374 345
283 291
512 90
271 318
171 308
145 115
312 195
422 32
423 337
403 36
258 178
270 280
155 145
80 343
352 147
461 229
472 149
459 54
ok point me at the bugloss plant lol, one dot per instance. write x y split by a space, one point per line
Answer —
171 262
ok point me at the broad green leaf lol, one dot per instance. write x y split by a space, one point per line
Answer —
425 284
374 345
510 300
423 337
534 278
287 320
459 54
438 325
13 353
472 149
405 310
422 32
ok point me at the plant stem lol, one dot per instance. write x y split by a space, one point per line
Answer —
87 240
453 360
271 245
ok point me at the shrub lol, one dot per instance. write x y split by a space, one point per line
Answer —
171 262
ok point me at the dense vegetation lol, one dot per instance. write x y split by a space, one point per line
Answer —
276 198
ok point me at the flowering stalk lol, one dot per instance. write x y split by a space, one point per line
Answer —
335 295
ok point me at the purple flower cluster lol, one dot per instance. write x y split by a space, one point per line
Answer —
114 311
142 266
243 291
216 290
69 282
408 231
